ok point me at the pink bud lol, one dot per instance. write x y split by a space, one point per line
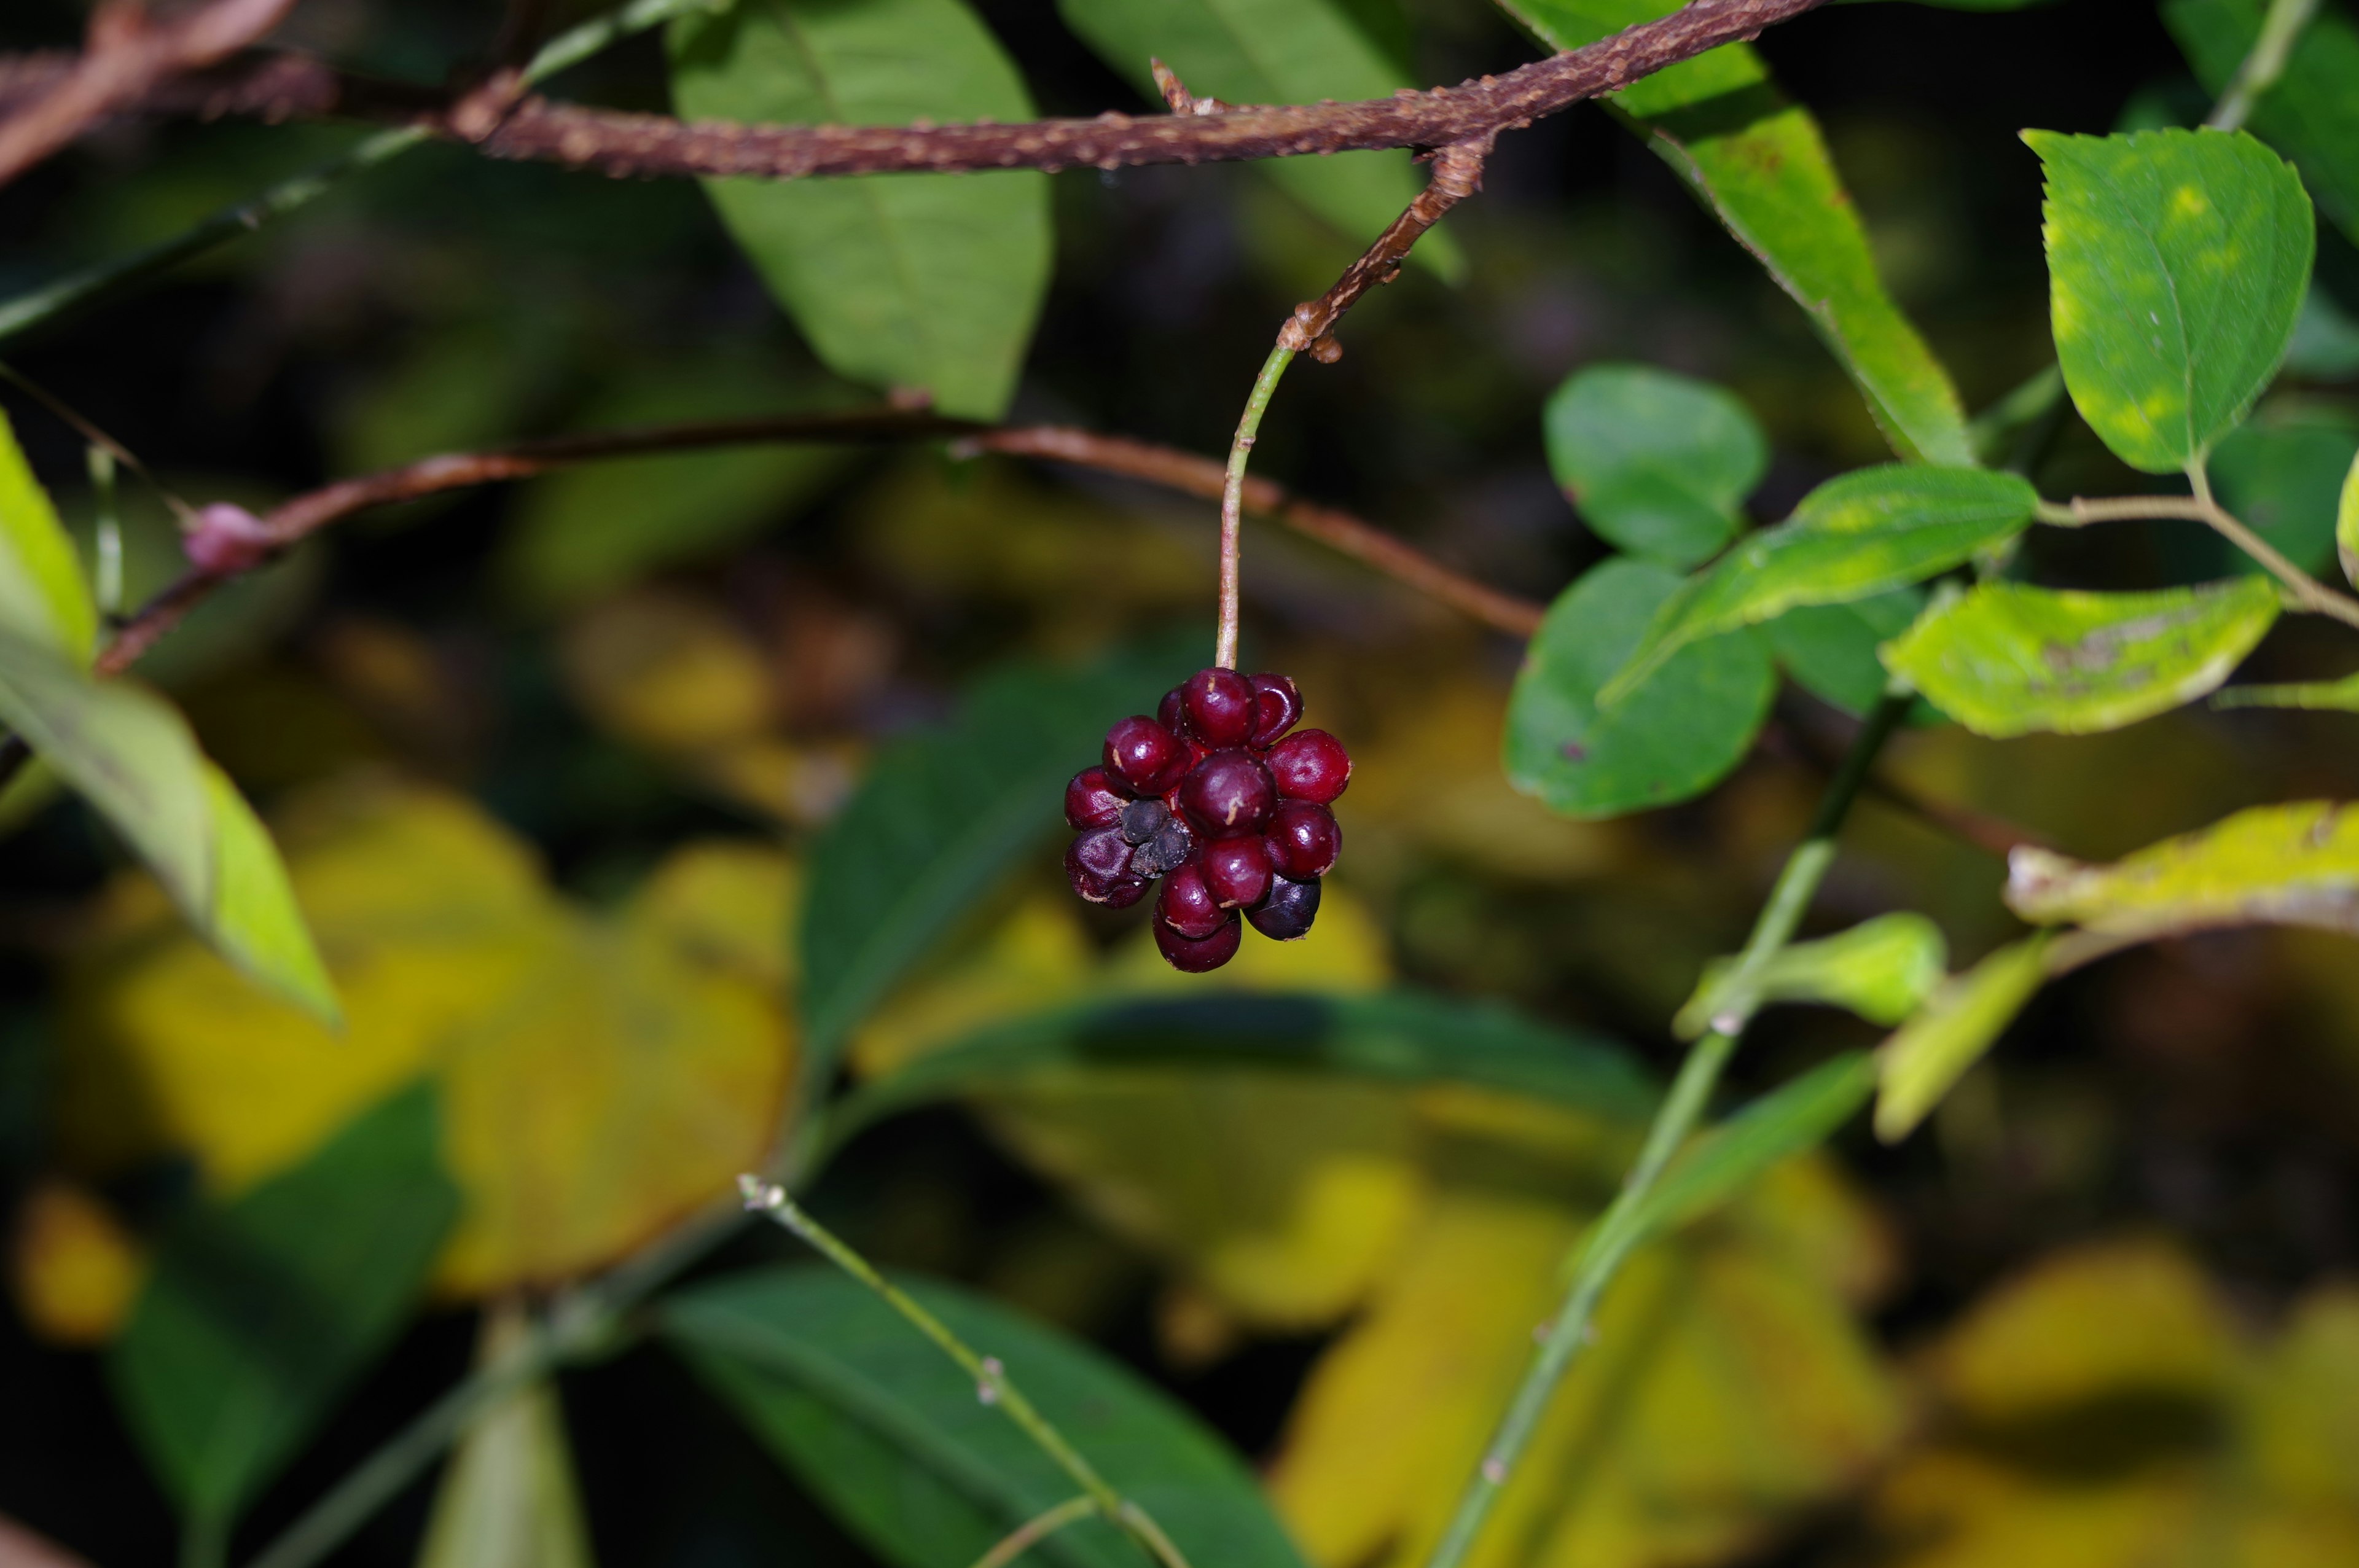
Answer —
227 539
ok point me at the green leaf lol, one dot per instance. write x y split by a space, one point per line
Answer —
1657 463
1275 52
926 282
888 1432
508 1497
1761 165
1399 1037
2285 865
2281 474
1880 970
942 817
1852 537
2346 523
43 600
1829 649
260 1312
1795 1117
255 922
2312 111
1926 1058
2177 263
2322 696
2008 659
2325 342
1683 729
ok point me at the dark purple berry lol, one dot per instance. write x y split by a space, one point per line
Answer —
1220 707
1310 764
1303 839
1237 871
1167 852
1171 713
1091 800
1098 863
1228 793
1124 891
1193 955
1143 819
1277 706
1143 756
1288 911
1188 907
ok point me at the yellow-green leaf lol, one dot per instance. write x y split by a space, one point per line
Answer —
256 923
2007 658
2293 865
43 600
1790 1119
1880 970
1960 1022
2346 523
2322 696
508 1497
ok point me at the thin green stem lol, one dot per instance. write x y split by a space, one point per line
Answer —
89 285
205 1541
1233 500
1034 1531
2261 68
1619 1230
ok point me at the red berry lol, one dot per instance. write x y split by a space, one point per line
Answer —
1188 907
1098 863
1310 765
1143 756
1220 707
1228 793
1303 839
1277 706
1288 911
1170 712
1092 800
1124 891
1237 871
1194 955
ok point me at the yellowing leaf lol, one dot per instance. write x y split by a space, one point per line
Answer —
42 597
1961 1020
2346 523
2296 865
74 1267
598 1078
667 671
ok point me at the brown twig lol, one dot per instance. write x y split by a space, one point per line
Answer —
127 56
2306 590
1457 174
1805 744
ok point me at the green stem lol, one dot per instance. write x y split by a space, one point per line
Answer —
2261 68
1034 1531
78 289
991 1379
1233 500
1611 1240
204 1540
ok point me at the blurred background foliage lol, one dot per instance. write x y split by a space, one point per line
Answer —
547 762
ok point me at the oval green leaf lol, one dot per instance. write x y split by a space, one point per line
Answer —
1685 727
1925 1057
2009 659
917 282
2280 865
43 600
2176 263
888 1432
1852 537
1829 649
1657 463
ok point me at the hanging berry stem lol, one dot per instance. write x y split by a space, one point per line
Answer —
1232 499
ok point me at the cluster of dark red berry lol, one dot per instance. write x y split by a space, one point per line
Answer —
1216 798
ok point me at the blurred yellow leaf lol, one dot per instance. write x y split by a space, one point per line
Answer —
2296 864
600 1077
667 671
74 1267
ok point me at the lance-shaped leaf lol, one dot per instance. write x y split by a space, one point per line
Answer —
1761 165
2009 659
1275 52
1788 1120
888 1432
924 282
2312 112
1684 727
1881 970
1852 537
1925 1057
2177 263
1657 463
43 600
2285 865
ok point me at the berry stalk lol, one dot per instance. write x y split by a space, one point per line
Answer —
1233 500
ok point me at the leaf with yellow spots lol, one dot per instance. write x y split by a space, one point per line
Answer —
599 1076
2177 263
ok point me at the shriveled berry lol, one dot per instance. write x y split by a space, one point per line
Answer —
1092 800
1096 862
1288 911
1229 792
1143 819
1191 956
1188 907
1303 839
1277 706
1220 707
1236 870
1165 852
1310 765
1143 756
1170 712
